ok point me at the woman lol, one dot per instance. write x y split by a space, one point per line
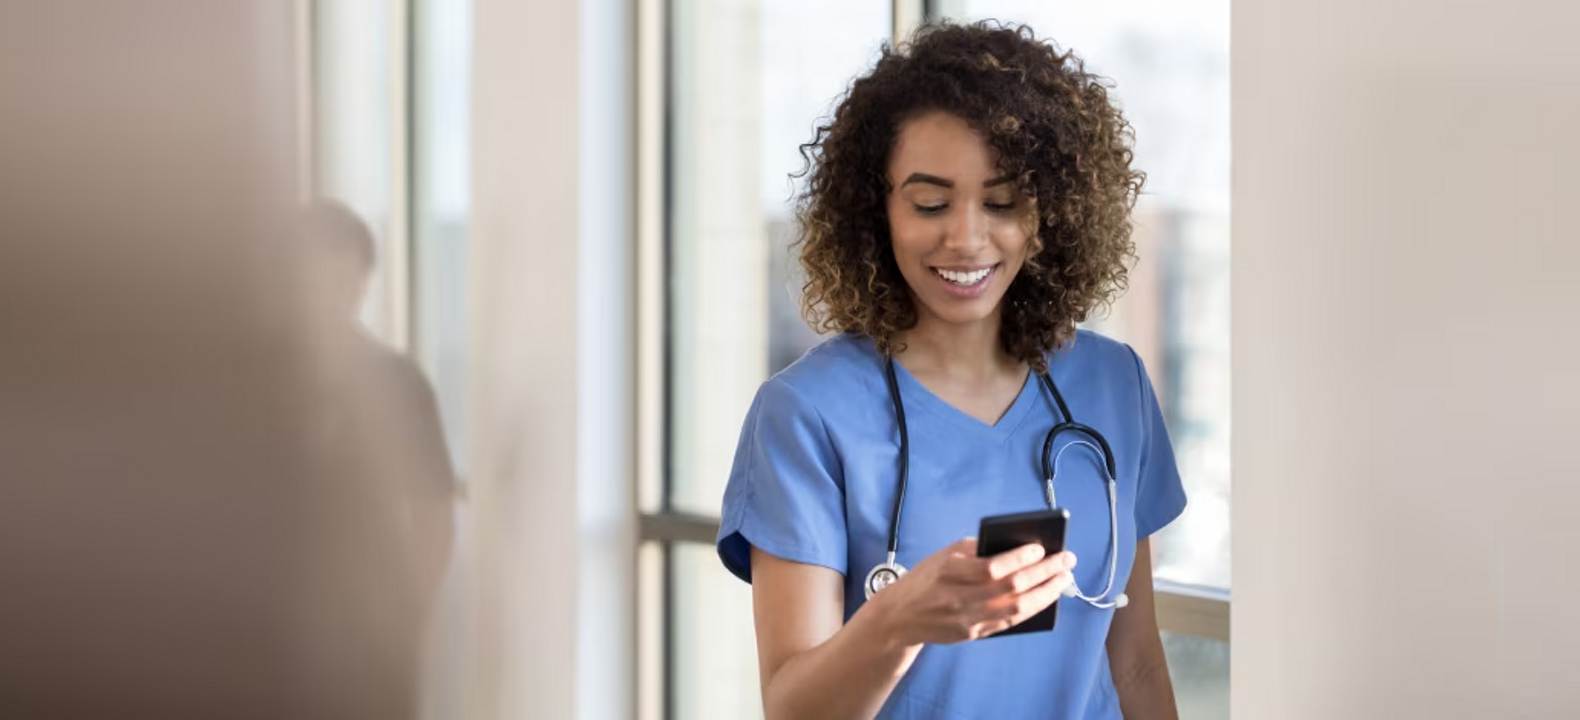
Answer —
968 205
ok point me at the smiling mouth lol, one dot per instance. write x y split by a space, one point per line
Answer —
964 278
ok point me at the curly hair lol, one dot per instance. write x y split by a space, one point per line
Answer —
1051 125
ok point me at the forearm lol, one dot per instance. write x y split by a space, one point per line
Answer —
1135 649
1145 691
849 676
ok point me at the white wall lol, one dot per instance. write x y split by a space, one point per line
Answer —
551 456
1406 316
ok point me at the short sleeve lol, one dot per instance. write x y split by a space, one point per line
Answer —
1160 495
785 493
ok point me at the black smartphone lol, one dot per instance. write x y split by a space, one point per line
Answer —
1002 533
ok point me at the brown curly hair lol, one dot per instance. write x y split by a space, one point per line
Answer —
1051 125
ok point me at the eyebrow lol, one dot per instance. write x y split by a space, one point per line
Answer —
928 179
941 182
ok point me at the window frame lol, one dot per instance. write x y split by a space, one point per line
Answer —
1181 608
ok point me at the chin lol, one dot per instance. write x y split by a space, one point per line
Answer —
955 312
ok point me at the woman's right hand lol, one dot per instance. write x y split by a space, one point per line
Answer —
954 596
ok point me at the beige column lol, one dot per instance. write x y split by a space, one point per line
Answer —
1405 301
551 305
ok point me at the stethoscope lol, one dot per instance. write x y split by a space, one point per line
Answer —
887 572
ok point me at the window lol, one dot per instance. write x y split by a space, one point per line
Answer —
441 192
440 156
729 89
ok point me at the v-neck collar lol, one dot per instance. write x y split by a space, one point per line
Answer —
915 394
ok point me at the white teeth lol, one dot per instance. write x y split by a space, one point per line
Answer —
963 278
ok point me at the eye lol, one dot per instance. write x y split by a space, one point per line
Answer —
931 209
1000 207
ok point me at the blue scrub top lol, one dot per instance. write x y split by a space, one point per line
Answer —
816 471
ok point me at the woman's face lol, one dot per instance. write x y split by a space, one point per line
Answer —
956 221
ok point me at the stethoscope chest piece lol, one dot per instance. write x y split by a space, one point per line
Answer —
882 576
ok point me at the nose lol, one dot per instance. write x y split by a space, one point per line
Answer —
968 229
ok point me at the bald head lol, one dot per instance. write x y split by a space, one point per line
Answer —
340 251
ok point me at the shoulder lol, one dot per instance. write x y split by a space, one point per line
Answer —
1097 360
832 373
396 373
1090 351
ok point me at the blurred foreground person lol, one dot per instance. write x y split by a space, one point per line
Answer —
199 516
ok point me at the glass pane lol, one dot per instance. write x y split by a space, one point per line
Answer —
715 651
1199 669
353 86
441 35
442 200
750 78
1170 65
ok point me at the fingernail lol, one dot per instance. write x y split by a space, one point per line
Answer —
1035 553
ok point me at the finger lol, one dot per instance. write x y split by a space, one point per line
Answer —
1035 574
1037 599
1000 601
1023 580
991 627
1018 608
1004 564
1057 584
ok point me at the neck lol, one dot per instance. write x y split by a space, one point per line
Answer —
966 351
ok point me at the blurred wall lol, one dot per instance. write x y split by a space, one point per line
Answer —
1405 302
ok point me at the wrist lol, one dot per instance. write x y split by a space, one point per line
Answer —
883 626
